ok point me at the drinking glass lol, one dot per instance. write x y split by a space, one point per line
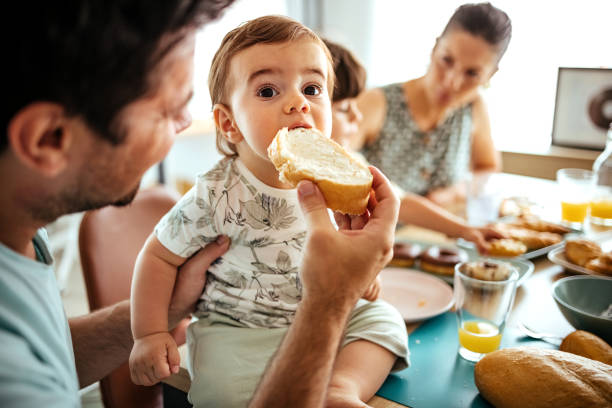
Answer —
601 206
482 308
576 190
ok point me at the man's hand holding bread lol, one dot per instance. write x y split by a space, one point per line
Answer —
344 263
329 177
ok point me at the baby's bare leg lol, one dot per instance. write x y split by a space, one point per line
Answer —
359 371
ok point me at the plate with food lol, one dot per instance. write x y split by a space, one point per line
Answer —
440 260
585 256
529 236
416 295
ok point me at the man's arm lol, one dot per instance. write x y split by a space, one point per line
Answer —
336 269
102 340
299 374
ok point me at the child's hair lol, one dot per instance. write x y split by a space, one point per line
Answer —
262 30
350 74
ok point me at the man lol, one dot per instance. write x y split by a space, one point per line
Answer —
96 92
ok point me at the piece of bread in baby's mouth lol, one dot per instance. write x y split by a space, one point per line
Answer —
305 154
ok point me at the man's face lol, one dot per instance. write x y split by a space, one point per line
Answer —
111 174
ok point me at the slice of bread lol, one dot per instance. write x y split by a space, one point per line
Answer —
305 154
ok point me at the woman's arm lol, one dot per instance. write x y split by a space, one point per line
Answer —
373 107
420 211
484 156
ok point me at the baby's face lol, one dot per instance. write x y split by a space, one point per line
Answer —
346 117
275 86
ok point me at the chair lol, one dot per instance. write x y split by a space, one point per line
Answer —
109 241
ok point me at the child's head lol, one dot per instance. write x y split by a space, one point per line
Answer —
350 82
269 73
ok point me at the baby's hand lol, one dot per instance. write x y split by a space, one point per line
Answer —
373 290
153 358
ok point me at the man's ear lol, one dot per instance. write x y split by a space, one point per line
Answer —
224 120
40 137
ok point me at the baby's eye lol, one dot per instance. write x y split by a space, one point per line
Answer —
267 92
447 60
472 73
312 90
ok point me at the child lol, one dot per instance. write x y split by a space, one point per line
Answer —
269 73
350 82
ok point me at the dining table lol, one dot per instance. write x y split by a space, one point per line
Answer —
534 305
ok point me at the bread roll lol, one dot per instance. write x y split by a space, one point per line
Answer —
539 378
581 251
305 154
587 345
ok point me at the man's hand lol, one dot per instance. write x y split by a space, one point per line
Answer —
339 265
373 290
153 358
191 278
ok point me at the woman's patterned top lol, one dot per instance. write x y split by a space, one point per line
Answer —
420 161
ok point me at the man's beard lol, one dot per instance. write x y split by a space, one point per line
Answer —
68 202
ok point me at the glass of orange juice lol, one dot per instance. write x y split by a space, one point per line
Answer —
482 305
576 188
601 206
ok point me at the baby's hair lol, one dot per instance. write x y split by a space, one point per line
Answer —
350 74
262 30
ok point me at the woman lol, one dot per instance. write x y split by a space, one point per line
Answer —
427 133
350 82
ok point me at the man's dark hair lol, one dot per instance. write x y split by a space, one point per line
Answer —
93 57
350 74
485 21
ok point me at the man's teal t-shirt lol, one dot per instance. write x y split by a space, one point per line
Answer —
37 366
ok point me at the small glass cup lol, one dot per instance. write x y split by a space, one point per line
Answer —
482 307
601 206
576 190
482 199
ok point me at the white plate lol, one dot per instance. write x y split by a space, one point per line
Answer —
417 295
557 255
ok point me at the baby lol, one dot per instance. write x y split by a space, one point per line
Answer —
269 73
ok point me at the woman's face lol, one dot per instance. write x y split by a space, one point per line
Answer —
460 63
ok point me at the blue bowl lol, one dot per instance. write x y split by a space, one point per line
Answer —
582 299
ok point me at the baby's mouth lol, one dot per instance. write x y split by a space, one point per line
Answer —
300 125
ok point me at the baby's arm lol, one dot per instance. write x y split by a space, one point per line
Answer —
155 354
